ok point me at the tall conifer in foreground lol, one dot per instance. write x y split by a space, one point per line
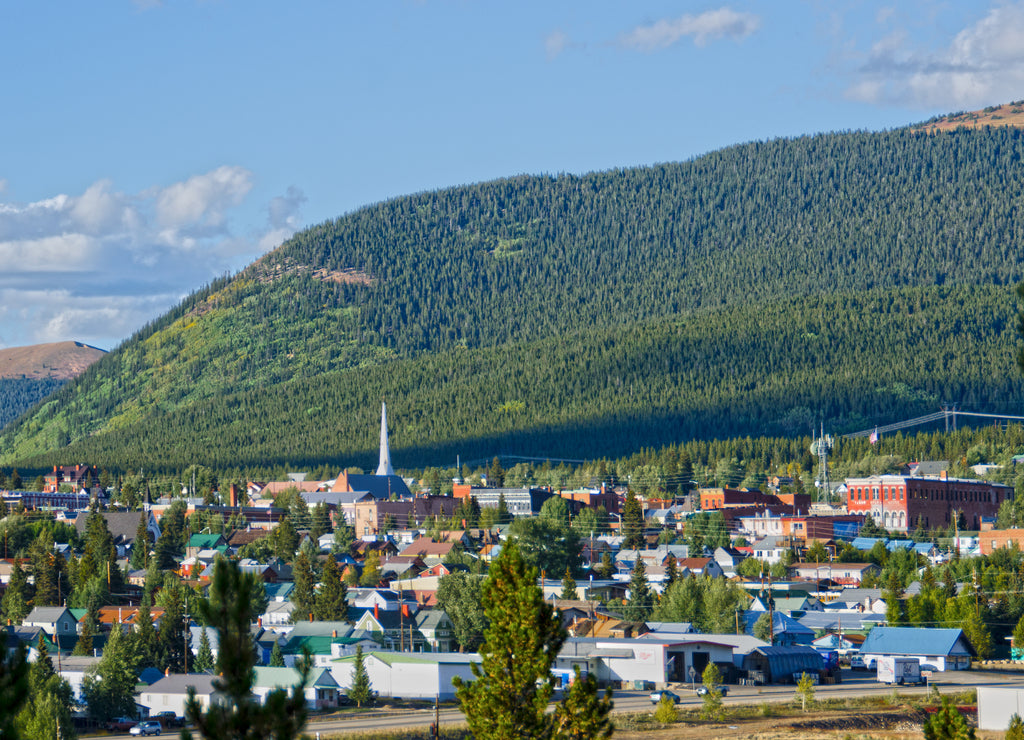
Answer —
360 691
282 715
513 682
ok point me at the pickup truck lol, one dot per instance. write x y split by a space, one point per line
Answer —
121 724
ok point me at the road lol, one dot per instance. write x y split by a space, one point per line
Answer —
854 684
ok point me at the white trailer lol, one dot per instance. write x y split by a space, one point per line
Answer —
899 671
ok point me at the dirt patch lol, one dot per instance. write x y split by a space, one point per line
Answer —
893 724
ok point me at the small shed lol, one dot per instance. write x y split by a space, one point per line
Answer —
783 664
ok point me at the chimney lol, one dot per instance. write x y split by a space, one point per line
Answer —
405 611
334 634
376 612
234 495
310 617
167 671
943 475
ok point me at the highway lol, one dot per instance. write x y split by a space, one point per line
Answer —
855 684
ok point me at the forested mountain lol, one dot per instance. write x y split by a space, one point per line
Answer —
28 374
859 276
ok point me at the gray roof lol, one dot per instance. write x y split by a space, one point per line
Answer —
179 683
335 498
830 620
45 614
122 525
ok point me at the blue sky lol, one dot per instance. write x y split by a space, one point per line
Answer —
150 146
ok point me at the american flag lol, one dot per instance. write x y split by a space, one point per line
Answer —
874 436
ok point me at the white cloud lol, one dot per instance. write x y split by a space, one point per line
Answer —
202 200
983 64
554 44
59 253
94 267
708 26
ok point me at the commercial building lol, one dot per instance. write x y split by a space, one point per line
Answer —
900 502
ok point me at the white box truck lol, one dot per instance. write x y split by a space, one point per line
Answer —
899 671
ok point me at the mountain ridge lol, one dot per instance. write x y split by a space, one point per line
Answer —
398 296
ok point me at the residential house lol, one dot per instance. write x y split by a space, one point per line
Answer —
207 542
122 526
57 622
424 676
699 567
434 631
770 549
171 693
935 649
320 689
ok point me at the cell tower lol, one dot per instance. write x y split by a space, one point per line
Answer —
821 448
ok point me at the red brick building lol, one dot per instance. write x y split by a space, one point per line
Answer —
897 502
993 539
78 476
713 499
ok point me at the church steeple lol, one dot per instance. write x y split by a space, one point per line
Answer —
385 456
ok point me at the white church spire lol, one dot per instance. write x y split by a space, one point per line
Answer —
385 456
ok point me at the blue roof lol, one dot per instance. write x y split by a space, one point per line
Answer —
780 623
899 544
279 590
916 641
866 543
924 548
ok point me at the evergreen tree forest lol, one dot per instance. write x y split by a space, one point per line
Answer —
859 278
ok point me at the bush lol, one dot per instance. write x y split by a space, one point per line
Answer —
666 711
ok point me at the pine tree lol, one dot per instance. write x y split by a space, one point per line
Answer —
145 636
16 597
712 697
360 691
48 710
15 687
304 594
90 627
671 572
632 523
331 604
513 681
568 586
947 724
583 714
641 598
109 687
1018 636
174 637
276 656
140 547
282 715
204 656
504 515
763 627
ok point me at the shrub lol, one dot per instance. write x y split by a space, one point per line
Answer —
666 711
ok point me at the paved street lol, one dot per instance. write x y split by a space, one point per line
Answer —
854 684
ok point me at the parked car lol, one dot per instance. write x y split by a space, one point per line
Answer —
702 690
149 727
121 724
168 719
859 663
671 695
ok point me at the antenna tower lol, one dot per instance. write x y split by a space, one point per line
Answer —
821 448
